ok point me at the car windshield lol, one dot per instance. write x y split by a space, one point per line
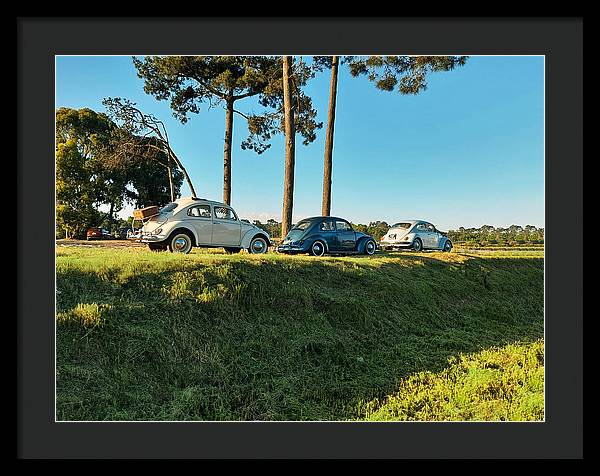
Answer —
404 225
169 207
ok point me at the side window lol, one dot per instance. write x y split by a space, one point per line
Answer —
421 227
343 226
224 213
430 228
201 211
327 225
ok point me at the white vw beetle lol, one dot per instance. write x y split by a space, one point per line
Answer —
189 222
415 234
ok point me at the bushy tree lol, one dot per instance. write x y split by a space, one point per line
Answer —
90 173
80 182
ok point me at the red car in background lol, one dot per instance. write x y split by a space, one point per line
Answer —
98 233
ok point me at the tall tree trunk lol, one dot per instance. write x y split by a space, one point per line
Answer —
227 151
290 144
326 208
110 214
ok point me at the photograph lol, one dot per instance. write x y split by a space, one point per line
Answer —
300 238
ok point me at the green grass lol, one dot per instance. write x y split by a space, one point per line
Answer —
504 383
209 336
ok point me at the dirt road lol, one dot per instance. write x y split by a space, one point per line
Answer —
101 243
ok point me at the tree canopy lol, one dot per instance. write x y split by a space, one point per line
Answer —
190 83
407 74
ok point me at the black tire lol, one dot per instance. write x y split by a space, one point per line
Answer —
181 242
447 246
370 247
232 250
417 245
317 248
258 245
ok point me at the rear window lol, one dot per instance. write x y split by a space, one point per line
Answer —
302 225
169 207
404 225
200 211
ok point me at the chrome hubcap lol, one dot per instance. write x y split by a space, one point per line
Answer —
258 246
180 244
370 247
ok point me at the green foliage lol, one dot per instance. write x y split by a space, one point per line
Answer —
84 126
80 180
272 227
189 82
407 74
487 235
210 336
499 384
375 228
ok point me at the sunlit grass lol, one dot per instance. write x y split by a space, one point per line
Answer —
498 384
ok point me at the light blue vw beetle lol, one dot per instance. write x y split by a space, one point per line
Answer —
415 234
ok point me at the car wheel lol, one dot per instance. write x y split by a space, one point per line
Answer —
417 244
370 247
232 250
180 243
317 248
258 246
448 246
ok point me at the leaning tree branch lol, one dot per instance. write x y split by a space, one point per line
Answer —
241 114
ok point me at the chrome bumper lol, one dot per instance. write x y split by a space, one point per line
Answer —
395 244
288 248
142 238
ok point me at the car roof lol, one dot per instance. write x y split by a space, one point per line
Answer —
323 218
185 201
411 221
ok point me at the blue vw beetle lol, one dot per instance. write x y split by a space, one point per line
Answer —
320 235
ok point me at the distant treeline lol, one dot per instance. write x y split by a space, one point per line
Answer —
488 235
485 235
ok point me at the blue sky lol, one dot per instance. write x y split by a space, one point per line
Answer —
467 151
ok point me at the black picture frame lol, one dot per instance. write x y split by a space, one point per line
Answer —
559 39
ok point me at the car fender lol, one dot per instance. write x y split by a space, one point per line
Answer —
250 234
360 244
443 241
171 226
311 239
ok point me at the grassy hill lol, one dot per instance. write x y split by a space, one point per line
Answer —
209 336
